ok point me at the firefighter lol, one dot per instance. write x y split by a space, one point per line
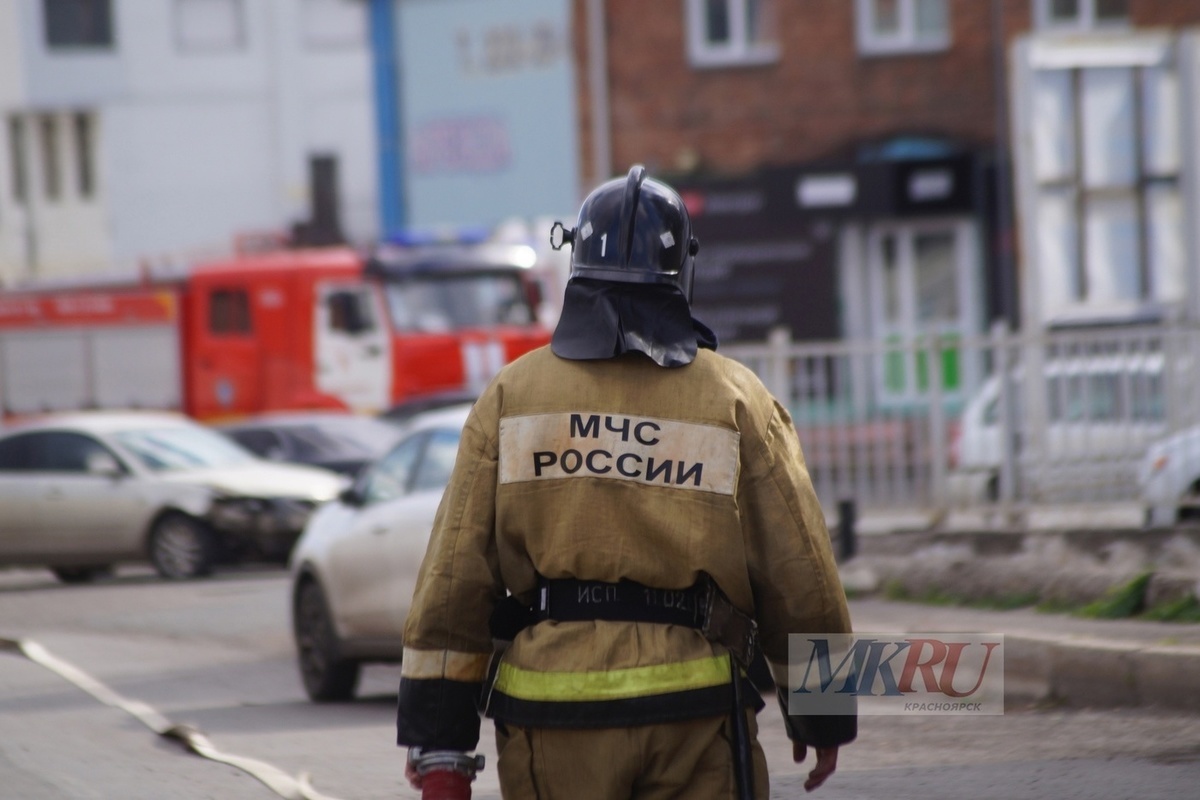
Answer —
644 503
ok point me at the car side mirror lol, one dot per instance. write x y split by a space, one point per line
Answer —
350 496
104 465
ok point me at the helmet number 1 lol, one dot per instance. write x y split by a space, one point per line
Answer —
603 244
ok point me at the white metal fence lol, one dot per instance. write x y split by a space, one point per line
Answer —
1000 421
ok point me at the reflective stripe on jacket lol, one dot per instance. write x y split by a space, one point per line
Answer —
602 471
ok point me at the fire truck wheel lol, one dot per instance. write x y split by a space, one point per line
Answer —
181 547
327 677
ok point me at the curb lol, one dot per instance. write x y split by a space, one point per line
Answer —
1049 659
1097 674
1113 674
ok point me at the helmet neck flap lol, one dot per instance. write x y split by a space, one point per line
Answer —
604 319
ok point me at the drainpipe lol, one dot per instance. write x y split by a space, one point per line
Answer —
385 62
598 84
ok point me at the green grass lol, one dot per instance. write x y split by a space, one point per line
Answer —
1127 601
1185 609
1120 602
895 590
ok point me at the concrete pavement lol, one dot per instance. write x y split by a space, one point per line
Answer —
1054 658
958 579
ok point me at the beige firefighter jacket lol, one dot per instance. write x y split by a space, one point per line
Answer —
609 470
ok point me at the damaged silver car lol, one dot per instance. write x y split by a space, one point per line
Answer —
83 492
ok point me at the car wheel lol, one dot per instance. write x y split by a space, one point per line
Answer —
327 677
81 574
181 547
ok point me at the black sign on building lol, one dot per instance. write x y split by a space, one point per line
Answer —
760 265
769 241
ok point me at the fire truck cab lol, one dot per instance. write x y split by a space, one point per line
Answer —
288 329
457 312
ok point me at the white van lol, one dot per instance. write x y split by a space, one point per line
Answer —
1101 414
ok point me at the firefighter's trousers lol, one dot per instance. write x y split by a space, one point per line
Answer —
688 760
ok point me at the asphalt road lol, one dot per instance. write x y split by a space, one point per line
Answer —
216 654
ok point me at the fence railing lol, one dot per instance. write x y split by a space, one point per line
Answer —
1003 421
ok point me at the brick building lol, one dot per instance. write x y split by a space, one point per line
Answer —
894 168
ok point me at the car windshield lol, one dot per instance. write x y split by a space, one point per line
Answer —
445 303
181 448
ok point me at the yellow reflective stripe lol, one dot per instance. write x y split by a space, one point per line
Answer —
451 664
616 684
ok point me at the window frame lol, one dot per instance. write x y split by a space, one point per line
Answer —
1083 198
1085 20
49 141
230 312
107 26
83 139
907 41
740 52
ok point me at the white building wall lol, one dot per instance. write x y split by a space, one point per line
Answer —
11 93
206 115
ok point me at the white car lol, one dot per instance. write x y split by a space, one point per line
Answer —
81 492
355 566
1101 413
1169 479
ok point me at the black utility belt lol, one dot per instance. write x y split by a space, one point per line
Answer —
570 600
702 606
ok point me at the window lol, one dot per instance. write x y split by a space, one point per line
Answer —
17 159
85 168
69 452
1106 158
441 303
902 26
731 32
1077 15
53 451
935 264
263 443
16 452
391 476
229 311
350 311
920 282
51 163
78 23
437 462
184 447
208 26
889 257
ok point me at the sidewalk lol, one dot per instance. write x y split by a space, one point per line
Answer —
1057 658
1066 559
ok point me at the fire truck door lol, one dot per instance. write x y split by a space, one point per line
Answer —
227 356
352 347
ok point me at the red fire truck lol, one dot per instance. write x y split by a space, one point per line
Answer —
286 329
